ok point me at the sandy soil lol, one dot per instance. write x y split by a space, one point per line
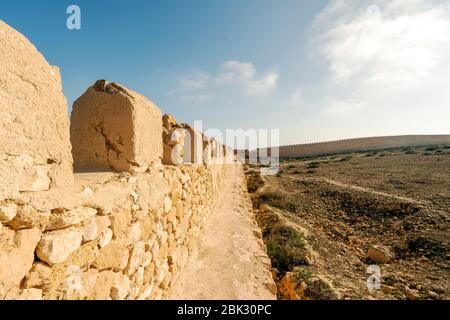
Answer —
230 260
339 206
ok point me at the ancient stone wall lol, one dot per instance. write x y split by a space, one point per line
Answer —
122 226
356 145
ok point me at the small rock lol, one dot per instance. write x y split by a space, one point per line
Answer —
37 275
89 230
135 232
379 254
105 238
387 289
55 247
433 295
167 205
437 288
412 294
8 212
136 258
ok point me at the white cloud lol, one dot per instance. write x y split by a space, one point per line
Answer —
389 57
243 75
193 87
401 42
239 77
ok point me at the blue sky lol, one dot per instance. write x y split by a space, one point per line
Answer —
316 70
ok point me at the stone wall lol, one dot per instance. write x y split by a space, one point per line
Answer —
357 145
122 226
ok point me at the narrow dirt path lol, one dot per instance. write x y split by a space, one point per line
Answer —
230 261
367 190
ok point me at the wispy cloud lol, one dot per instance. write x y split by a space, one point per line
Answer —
243 75
399 42
394 56
241 78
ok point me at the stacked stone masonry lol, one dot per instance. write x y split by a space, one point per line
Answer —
123 225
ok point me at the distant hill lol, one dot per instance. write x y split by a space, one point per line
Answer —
358 144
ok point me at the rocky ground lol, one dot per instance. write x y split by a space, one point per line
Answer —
334 225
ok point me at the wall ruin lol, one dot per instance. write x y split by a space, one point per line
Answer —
122 226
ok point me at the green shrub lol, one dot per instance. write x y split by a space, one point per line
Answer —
313 165
286 248
347 158
254 181
316 289
277 200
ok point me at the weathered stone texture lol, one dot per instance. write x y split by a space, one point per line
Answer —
34 128
124 231
114 128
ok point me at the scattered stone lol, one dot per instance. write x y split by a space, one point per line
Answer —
387 289
433 295
379 254
412 294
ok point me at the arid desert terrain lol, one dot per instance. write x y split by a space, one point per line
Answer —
330 222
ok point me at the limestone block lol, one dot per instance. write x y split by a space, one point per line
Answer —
114 256
60 220
27 218
103 285
146 293
16 256
193 146
92 228
167 205
135 232
56 246
176 137
111 195
37 275
120 288
105 238
30 294
115 129
136 258
173 155
7 212
207 151
33 113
